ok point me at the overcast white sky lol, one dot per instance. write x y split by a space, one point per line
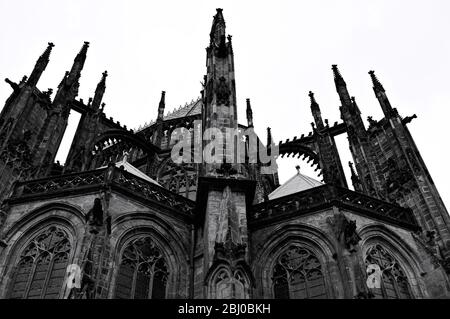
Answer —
282 50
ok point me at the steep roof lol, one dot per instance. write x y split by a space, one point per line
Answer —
193 108
133 170
295 184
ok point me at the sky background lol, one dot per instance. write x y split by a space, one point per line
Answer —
282 50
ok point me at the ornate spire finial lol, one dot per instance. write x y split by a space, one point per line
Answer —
376 83
269 136
313 99
40 66
315 110
100 91
337 75
218 28
297 167
161 106
249 114
82 54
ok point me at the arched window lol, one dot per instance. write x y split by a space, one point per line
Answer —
41 269
298 275
142 272
394 283
226 285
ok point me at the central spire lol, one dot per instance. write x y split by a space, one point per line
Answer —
219 98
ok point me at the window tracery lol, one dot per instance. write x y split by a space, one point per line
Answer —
394 283
298 275
143 271
41 269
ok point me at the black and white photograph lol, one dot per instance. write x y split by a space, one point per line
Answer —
240 151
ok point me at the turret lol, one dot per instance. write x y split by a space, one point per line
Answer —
380 94
315 110
249 114
40 66
161 106
99 91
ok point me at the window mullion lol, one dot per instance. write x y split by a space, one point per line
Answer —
47 275
152 275
133 285
30 279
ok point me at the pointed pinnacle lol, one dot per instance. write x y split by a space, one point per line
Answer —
337 75
376 83
313 99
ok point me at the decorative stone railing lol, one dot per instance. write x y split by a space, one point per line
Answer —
59 183
326 196
153 192
101 178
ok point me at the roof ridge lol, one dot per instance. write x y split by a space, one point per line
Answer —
291 186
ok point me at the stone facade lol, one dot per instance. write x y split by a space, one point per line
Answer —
150 227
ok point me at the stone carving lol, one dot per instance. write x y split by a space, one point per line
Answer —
427 239
345 231
399 181
95 216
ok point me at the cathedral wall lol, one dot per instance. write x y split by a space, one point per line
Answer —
310 231
26 220
130 219
425 277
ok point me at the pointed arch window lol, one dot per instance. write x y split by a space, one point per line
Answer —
298 275
41 269
394 283
143 271
229 285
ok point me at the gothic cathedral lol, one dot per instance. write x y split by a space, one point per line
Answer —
122 218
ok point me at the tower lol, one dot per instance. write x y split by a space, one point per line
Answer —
357 136
224 191
32 125
403 175
88 127
330 161
55 125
